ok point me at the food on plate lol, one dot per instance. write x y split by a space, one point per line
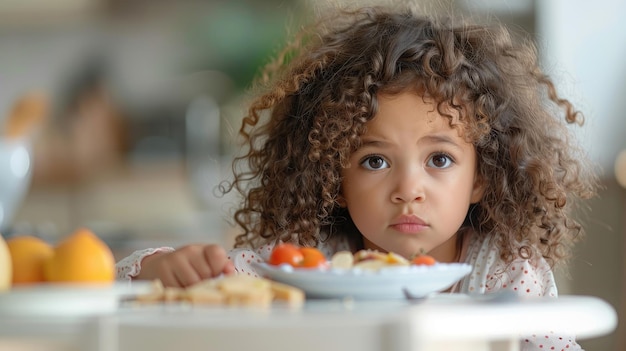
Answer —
231 290
286 253
81 257
5 266
423 259
375 260
312 258
28 254
342 260
299 257
309 257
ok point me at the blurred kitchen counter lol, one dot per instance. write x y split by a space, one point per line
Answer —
132 206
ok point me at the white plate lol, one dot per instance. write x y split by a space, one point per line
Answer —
387 283
69 299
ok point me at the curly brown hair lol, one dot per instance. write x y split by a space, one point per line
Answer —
322 90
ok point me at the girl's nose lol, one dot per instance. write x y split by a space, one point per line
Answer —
409 187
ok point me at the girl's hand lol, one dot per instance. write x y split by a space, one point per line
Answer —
187 265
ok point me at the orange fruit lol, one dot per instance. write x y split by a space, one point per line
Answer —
81 257
312 258
286 253
28 254
423 260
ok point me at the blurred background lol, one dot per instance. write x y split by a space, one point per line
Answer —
129 111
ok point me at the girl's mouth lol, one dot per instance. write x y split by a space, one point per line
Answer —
408 224
409 228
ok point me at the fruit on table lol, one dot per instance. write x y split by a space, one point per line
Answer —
5 266
27 113
28 254
81 257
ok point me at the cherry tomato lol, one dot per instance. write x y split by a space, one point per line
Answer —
286 253
312 258
423 259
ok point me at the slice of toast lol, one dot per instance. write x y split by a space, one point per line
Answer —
231 290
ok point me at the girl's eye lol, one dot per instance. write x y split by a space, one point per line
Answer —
440 161
374 163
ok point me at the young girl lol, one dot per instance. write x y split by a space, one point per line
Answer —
385 130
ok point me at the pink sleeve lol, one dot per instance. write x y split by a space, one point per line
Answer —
130 266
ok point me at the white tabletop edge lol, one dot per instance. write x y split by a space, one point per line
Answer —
582 316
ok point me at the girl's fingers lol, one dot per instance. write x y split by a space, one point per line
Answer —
186 274
229 268
217 259
202 267
193 263
168 279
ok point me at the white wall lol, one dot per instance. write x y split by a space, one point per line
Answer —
583 44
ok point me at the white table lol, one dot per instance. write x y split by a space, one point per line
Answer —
445 325
444 322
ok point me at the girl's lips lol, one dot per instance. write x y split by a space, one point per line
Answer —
408 224
408 228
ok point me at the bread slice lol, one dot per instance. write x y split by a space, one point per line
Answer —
293 296
231 290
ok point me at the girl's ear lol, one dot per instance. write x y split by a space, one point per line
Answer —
478 190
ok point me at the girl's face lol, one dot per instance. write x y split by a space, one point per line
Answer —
411 182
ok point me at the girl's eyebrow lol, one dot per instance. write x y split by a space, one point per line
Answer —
428 139
440 139
372 142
